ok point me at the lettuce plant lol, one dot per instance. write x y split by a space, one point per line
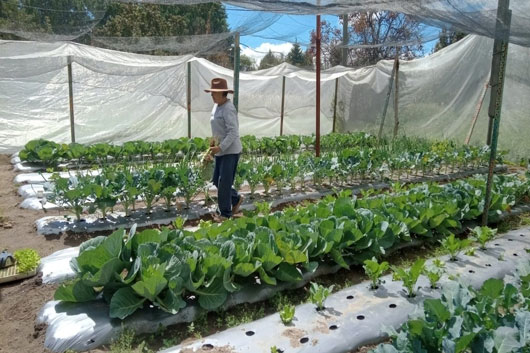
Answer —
27 260
318 294
483 235
454 246
374 271
287 314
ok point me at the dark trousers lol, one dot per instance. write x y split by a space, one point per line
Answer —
223 178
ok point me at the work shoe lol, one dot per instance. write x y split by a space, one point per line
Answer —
235 209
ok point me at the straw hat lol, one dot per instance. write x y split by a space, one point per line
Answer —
219 85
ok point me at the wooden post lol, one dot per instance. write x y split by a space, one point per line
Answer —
283 106
396 96
477 111
385 107
318 39
345 40
188 99
236 71
498 72
335 104
71 99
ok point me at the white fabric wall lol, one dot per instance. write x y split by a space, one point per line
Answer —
121 96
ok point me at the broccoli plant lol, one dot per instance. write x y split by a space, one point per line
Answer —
374 271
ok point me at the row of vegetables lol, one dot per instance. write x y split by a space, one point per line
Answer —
168 268
51 154
186 178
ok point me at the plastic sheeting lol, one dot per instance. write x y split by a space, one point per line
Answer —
355 316
121 96
84 326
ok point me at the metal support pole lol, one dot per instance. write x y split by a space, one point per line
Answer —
188 99
71 99
318 39
335 104
236 71
477 111
283 106
385 107
498 71
345 40
396 96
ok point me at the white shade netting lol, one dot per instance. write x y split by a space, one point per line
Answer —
122 96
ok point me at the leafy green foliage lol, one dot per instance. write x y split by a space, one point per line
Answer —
318 294
410 276
483 235
287 314
374 271
27 260
494 319
454 245
164 267
433 273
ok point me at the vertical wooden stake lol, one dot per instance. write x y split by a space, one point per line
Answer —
385 107
71 99
318 39
335 105
283 106
477 111
498 73
188 99
396 97
236 71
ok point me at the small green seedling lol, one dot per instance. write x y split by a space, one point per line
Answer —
27 260
454 246
274 349
483 235
433 273
438 263
287 314
263 208
470 252
374 271
178 223
410 276
318 294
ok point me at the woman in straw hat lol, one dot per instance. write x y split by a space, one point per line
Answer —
225 130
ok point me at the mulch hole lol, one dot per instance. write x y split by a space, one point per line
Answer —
349 297
207 347
392 306
304 340
360 317
250 333
471 271
333 327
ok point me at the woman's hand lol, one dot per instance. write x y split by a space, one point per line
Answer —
215 149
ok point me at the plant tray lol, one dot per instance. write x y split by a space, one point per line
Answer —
11 274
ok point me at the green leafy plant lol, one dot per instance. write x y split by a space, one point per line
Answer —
287 314
483 235
410 276
374 271
433 273
27 260
454 246
318 294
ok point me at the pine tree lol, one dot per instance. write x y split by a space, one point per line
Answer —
296 56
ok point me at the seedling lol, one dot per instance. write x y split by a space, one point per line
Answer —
454 246
27 260
470 252
287 314
178 223
263 208
483 235
374 271
410 276
438 263
318 294
434 274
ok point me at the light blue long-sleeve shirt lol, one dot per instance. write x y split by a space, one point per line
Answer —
225 128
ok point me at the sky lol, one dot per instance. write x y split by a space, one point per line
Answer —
280 32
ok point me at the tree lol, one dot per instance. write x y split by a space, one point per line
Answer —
269 60
447 37
371 29
296 56
247 63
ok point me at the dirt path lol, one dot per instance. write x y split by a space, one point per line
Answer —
21 301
